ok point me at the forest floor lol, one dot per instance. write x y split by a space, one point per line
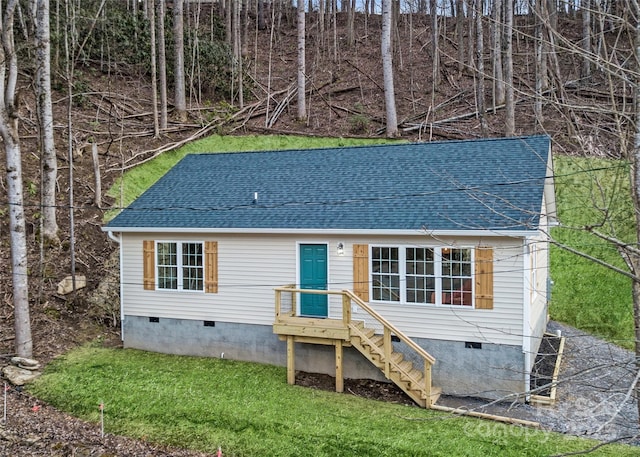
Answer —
114 112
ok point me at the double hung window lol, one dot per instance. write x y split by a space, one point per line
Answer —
180 266
422 275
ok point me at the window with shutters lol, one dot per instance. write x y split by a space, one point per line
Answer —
180 266
422 275
171 265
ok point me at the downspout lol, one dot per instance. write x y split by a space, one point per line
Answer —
118 239
526 319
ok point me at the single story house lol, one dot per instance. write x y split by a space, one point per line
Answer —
441 247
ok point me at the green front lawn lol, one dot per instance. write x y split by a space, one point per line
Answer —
249 410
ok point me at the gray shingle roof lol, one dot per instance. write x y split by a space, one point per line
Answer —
490 184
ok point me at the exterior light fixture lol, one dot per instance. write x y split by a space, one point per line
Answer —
340 249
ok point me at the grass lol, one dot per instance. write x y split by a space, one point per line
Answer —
249 410
592 192
135 181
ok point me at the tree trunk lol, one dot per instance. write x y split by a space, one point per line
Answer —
245 29
460 33
262 25
496 50
435 42
154 76
178 37
480 99
162 65
540 58
635 193
227 6
45 121
510 121
350 22
302 106
11 142
97 177
586 38
387 71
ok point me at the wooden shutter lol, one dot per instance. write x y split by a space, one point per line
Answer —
484 277
149 265
211 267
361 271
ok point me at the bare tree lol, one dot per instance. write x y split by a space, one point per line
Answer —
302 106
11 141
496 51
480 98
45 121
387 71
179 78
154 71
510 121
435 41
585 9
162 63
460 33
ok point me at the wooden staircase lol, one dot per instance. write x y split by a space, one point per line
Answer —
401 360
393 364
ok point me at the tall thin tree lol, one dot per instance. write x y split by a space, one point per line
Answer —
496 50
154 70
510 118
44 110
387 71
11 142
480 97
435 42
162 63
180 97
302 105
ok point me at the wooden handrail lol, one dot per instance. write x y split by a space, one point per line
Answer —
346 313
391 367
405 339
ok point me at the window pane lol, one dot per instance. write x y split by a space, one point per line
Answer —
167 277
456 277
192 269
167 261
420 280
167 254
385 274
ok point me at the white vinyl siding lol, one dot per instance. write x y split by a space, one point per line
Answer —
250 267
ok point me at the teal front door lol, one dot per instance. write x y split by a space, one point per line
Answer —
313 275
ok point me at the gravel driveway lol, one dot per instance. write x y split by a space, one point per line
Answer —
593 393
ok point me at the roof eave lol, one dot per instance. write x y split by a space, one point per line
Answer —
333 231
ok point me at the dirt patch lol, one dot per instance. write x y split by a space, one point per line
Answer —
365 388
36 429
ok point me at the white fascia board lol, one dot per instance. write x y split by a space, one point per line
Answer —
281 231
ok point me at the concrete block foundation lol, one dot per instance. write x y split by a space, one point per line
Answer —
462 368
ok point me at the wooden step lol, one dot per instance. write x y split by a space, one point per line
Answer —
396 357
415 375
376 340
405 366
368 332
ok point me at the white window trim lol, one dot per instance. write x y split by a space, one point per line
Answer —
179 265
402 264
533 277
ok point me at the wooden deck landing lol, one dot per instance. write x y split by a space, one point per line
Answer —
414 380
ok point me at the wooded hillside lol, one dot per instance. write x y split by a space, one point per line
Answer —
242 66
